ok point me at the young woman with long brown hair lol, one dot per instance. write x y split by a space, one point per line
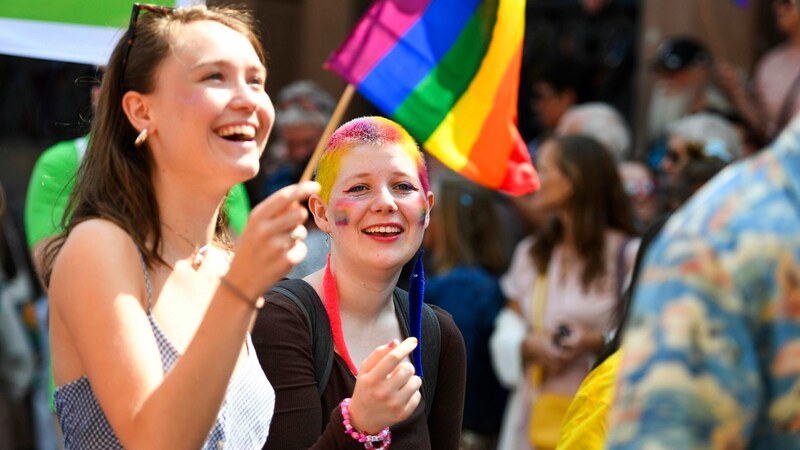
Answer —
149 307
563 285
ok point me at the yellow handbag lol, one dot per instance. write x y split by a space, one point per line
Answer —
548 409
547 415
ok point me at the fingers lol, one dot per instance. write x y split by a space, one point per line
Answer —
377 355
298 233
387 391
272 240
295 236
282 212
284 197
409 396
400 376
395 356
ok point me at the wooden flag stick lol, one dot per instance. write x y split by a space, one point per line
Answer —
344 101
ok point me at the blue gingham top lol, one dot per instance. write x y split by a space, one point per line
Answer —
242 423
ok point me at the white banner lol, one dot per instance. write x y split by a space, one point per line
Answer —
87 35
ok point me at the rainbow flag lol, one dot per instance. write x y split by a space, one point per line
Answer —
448 71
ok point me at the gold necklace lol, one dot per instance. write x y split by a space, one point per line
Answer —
199 252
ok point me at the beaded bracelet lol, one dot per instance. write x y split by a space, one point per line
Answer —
385 436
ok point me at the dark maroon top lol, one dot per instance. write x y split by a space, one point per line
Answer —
302 420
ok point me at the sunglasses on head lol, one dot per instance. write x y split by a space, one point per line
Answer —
137 8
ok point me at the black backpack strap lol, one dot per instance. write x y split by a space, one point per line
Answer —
431 344
307 300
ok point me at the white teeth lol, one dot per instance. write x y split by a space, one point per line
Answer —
245 131
382 230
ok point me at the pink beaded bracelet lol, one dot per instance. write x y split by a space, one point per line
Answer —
385 436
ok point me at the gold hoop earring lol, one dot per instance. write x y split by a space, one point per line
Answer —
141 138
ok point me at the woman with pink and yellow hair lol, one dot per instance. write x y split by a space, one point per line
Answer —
374 203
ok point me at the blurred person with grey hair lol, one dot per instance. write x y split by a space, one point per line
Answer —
684 84
599 121
302 111
699 136
307 95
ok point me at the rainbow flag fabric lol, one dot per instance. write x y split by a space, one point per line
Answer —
448 71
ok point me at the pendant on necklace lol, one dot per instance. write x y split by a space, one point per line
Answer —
198 256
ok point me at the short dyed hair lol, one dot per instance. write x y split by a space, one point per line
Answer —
372 130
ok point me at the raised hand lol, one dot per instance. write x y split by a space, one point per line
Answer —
272 241
387 390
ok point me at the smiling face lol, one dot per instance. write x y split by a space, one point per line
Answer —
209 107
377 208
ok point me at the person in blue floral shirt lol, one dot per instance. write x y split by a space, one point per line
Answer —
711 357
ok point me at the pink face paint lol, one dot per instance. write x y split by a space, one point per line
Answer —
341 212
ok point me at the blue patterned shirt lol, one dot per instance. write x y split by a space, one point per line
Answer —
711 358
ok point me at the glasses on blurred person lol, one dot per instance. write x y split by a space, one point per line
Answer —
640 188
137 8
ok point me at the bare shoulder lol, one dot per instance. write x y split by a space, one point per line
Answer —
96 241
98 255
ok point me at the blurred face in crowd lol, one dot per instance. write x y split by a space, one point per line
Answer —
675 158
640 186
300 140
556 187
550 105
787 15
687 81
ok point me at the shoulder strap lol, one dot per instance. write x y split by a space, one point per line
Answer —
431 344
146 281
538 308
621 265
304 296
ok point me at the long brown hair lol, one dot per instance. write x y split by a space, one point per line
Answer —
598 203
468 227
114 181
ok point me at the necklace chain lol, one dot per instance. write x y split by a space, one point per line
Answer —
199 251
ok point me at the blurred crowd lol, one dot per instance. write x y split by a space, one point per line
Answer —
539 285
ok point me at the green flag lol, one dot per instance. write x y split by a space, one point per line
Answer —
81 31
